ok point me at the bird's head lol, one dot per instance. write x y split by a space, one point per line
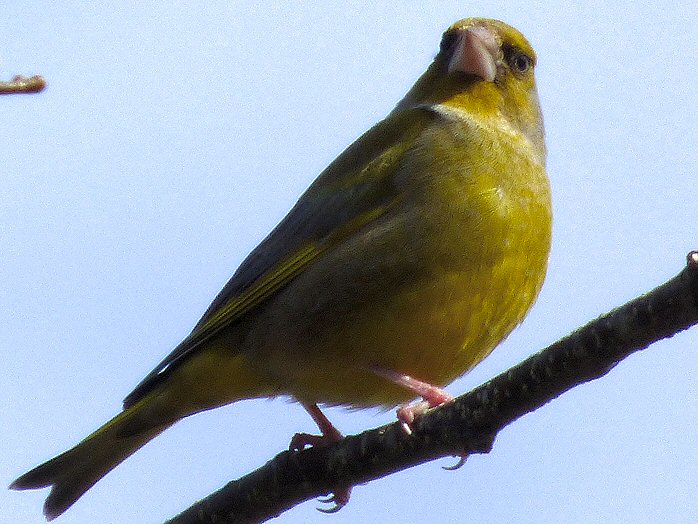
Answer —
484 67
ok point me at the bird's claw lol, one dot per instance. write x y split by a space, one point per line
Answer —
457 465
301 441
329 511
339 498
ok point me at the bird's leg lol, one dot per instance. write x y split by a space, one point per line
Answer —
340 497
433 396
329 432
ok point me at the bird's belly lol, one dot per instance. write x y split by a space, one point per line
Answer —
435 330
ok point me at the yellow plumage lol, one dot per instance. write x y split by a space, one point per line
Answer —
415 253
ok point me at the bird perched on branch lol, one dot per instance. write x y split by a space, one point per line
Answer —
401 267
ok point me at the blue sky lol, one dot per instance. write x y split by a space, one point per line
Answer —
172 139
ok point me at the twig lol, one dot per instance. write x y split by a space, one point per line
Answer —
467 425
23 84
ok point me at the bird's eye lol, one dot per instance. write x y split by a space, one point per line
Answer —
520 62
447 41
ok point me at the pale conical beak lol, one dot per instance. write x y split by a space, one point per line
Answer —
476 53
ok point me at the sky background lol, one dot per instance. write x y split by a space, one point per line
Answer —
172 137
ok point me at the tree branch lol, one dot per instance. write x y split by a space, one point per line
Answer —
22 84
467 425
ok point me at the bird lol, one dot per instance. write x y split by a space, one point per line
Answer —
402 266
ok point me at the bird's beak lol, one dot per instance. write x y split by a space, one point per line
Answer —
476 53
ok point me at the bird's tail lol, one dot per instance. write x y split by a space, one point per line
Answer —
75 471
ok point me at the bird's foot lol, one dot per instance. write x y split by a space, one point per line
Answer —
432 396
339 497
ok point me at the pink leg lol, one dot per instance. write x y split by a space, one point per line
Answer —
330 434
433 396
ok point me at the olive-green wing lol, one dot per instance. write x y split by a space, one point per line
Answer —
354 190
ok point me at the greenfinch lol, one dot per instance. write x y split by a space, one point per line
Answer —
401 267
